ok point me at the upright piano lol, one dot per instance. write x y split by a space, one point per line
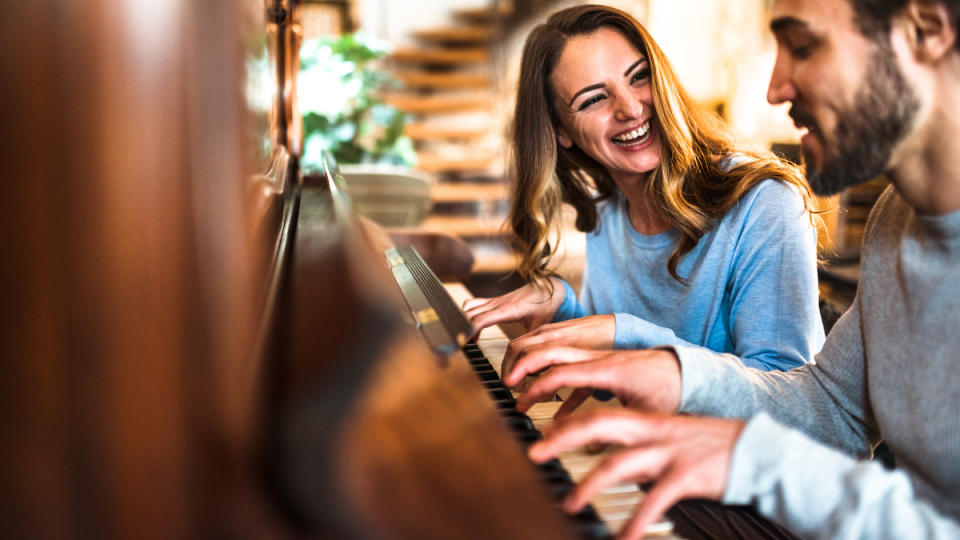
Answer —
202 339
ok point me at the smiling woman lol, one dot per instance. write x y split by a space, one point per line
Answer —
690 241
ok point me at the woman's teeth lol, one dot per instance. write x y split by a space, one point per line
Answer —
635 137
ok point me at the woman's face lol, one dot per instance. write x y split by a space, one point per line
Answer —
605 103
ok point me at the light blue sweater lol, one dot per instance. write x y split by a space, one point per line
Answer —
751 282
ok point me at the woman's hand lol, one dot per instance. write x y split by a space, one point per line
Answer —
647 380
529 305
591 332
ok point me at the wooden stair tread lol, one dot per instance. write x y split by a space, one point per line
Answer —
439 164
442 80
435 103
465 226
435 55
452 192
426 132
483 13
477 33
502 263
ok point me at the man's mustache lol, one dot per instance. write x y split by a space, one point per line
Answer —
804 118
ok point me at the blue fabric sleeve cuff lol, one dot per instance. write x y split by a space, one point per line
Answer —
570 308
632 332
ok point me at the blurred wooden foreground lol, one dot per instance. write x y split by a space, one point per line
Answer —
128 267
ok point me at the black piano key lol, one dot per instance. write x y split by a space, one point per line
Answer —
520 424
488 375
589 524
500 393
494 384
529 437
508 404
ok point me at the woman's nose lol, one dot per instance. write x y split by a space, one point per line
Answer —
629 108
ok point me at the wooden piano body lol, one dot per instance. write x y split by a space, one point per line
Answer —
198 340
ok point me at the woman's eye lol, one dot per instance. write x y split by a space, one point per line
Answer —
640 74
590 101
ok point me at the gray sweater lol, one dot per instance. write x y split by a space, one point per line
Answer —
889 370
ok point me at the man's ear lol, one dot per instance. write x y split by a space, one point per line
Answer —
932 32
564 139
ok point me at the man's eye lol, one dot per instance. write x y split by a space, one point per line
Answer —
590 101
803 51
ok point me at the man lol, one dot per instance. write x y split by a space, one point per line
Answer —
875 83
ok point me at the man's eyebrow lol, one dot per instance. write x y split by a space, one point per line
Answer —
633 65
586 89
786 22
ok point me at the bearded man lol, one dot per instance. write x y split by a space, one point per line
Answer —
875 83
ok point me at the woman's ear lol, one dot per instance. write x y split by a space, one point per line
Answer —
564 139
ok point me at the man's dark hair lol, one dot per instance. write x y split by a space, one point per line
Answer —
873 17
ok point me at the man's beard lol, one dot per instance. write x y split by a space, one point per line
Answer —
866 134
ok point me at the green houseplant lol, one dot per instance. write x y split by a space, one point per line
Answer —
342 114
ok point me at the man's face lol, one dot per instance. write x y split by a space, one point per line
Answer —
844 87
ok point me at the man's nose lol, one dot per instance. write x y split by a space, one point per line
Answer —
781 87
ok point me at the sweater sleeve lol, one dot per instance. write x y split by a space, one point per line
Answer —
570 308
818 492
826 399
773 294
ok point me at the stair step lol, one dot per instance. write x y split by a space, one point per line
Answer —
466 226
438 164
428 132
494 263
442 80
466 34
484 13
440 56
454 192
436 103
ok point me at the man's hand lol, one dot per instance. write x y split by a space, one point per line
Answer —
591 332
647 380
682 456
530 305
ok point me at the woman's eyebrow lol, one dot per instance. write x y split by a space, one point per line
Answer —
633 65
585 89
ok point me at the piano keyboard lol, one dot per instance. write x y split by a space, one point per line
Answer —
614 506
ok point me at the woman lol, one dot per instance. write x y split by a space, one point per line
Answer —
689 240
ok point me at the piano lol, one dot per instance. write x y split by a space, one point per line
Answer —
203 340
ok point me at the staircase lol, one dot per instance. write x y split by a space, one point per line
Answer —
449 90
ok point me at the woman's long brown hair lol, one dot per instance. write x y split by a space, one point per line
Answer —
693 186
